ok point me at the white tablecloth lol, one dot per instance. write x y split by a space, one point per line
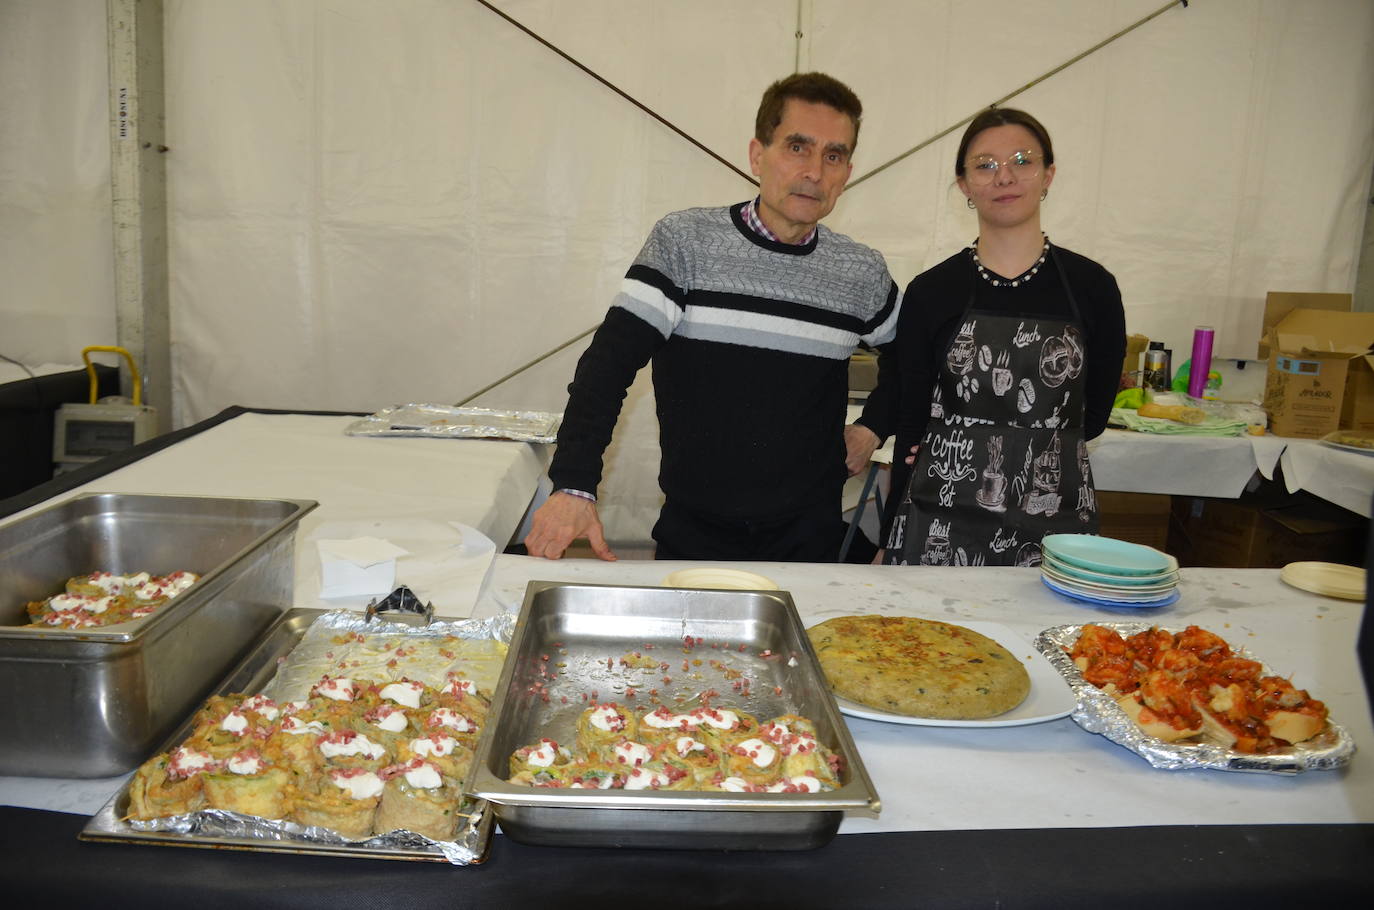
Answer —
411 491
1052 774
1222 466
1055 774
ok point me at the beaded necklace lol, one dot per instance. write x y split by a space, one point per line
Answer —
1014 282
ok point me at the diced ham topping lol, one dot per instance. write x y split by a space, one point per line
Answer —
608 717
246 762
262 705
360 783
343 743
185 761
447 717
436 745
456 686
339 688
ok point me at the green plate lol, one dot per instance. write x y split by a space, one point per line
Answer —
1106 554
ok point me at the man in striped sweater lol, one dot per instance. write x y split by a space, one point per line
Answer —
749 314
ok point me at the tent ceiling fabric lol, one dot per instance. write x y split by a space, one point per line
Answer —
403 201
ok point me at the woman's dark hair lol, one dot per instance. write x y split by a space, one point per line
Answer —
817 88
1003 116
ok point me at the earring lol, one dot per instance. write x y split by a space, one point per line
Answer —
1044 194
970 203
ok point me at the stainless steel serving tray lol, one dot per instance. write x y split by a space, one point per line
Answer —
570 631
94 702
256 670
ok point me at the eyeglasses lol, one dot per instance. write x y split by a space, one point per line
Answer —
982 170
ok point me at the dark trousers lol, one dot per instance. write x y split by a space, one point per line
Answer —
812 535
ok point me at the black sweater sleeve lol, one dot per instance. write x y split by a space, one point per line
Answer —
1105 320
620 348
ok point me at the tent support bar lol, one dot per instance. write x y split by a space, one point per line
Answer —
138 185
628 97
1010 95
518 370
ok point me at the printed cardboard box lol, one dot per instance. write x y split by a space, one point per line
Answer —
1278 304
1312 354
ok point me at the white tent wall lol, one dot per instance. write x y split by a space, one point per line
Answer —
372 203
56 246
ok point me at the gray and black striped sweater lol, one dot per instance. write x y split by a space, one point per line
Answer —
750 341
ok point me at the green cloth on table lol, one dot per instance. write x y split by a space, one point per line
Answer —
1210 426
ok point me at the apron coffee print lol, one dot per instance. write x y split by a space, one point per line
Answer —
991 477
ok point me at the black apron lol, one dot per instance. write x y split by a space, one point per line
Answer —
1004 461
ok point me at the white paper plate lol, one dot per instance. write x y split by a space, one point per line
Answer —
1326 578
1050 697
1111 600
1123 592
1168 576
724 579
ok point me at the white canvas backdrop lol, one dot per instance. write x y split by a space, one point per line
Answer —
374 203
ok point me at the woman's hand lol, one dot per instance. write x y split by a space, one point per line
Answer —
911 459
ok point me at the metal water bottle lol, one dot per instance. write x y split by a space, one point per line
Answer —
1202 361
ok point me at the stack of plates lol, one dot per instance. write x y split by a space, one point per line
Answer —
1111 573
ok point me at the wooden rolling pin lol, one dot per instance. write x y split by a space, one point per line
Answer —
1179 412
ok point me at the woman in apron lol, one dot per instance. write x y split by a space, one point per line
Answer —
1009 354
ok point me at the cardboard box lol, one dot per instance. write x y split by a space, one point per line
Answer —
1316 356
1227 533
1357 409
1138 517
1278 304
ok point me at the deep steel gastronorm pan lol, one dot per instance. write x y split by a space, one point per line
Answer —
96 702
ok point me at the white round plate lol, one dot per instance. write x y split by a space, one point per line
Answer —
724 579
1050 697
1163 600
1105 578
1131 592
1326 578
1106 554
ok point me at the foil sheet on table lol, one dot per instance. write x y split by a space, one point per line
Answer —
345 642
349 636
445 421
1098 712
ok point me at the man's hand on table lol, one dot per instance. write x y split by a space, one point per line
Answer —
562 519
859 445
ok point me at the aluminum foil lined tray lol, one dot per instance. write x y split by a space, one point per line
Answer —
1097 712
459 423
293 654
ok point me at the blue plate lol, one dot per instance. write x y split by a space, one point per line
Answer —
1172 597
1106 554
1064 568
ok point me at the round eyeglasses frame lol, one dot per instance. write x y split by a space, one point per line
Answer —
983 169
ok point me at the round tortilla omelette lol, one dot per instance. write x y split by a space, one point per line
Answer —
919 667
